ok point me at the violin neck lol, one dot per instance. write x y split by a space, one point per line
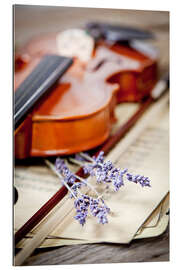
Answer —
39 82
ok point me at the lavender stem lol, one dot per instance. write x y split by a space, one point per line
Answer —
89 158
51 166
86 157
82 180
75 161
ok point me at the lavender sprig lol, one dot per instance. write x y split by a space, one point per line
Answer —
105 172
139 179
82 203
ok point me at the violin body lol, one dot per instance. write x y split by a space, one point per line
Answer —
137 72
78 113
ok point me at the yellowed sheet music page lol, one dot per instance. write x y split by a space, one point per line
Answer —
155 225
36 183
148 155
132 205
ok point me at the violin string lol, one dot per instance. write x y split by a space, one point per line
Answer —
23 90
45 80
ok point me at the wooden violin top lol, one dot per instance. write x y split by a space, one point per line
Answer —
83 100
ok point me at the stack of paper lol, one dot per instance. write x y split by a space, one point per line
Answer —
136 212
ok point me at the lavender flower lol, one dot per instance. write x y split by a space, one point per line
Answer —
79 157
142 180
59 164
102 172
105 172
69 178
99 158
93 206
81 204
88 169
75 188
81 216
99 209
118 182
99 168
102 216
78 202
101 175
107 165
64 170
116 176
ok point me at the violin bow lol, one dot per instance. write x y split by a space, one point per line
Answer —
157 92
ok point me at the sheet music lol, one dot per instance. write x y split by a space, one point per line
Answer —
148 155
132 204
155 225
137 155
36 183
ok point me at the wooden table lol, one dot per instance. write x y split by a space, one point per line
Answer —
30 21
142 250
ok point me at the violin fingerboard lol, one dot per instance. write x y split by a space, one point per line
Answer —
42 78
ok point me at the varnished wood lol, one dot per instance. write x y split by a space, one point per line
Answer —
77 113
83 102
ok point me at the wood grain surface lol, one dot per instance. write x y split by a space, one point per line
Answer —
142 250
30 21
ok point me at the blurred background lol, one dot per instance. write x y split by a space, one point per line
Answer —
31 21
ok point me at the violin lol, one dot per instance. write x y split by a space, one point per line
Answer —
76 115
78 112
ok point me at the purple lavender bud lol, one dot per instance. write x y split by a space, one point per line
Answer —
65 170
102 219
101 215
86 197
83 208
70 179
81 217
59 164
124 171
79 157
76 186
118 182
99 158
78 202
94 206
108 165
107 209
71 196
144 182
129 177
88 169
101 175
68 175
116 176
114 172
